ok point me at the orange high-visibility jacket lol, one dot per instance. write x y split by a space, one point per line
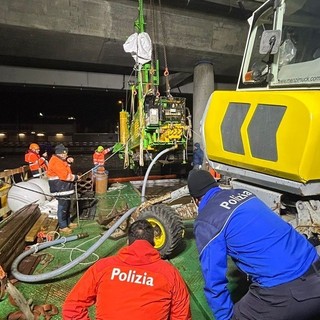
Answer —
134 284
60 176
35 161
98 157
60 169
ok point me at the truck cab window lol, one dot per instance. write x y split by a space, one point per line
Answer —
296 62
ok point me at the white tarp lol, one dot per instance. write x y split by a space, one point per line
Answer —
140 47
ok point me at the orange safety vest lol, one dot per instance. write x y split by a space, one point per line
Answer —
98 157
60 177
35 161
59 169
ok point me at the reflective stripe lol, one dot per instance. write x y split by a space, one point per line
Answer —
62 193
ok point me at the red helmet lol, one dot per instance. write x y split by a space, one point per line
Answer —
34 146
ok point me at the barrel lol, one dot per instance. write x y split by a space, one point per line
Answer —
101 180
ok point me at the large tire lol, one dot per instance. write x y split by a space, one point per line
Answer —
168 228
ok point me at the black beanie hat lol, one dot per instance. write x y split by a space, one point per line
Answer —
199 182
60 149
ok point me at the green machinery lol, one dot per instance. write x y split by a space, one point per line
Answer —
155 122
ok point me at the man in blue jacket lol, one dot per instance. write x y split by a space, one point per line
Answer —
282 265
197 156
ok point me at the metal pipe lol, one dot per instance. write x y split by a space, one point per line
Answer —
143 192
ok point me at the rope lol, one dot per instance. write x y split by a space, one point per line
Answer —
127 90
133 95
35 191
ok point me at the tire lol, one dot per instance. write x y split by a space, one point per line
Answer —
168 227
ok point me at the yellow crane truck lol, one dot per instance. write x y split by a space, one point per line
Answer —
265 135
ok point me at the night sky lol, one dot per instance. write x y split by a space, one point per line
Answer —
96 111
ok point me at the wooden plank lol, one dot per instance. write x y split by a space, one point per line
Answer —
53 225
48 230
32 234
19 224
9 172
17 249
12 234
29 264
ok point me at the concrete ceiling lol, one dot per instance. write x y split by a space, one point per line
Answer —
30 43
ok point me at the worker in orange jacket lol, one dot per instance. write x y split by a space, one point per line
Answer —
62 186
99 156
134 284
37 163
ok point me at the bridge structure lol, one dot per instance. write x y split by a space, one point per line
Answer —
79 43
88 36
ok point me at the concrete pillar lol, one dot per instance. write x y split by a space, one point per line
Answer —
203 86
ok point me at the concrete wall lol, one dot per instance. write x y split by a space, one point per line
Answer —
93 31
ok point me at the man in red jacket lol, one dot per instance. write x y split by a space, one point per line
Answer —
134 284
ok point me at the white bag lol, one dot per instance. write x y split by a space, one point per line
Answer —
140 47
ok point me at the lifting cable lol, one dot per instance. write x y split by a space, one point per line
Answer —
155 57
130 85
166 70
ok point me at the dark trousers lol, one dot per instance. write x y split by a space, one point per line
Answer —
63 211
296 300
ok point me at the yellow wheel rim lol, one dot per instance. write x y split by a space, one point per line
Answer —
159 233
